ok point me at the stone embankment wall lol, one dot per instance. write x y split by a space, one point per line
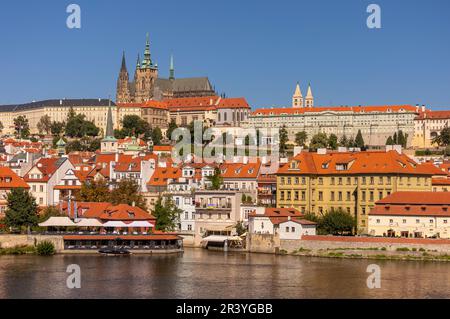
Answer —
272 244
9 241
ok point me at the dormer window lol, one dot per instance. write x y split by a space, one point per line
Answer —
131 215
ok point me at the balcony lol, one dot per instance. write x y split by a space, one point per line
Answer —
204 206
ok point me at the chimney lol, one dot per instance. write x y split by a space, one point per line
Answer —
116 157
60 102
423 108
133 204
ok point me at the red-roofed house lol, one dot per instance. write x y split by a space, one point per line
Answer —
45 174
287 223
8 181
411 214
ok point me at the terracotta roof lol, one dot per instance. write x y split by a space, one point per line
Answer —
240 170
161 175
284 212
162 148
345 163
9 179
434 115
355 109
47 166
440 181
108 211
417 198
232 103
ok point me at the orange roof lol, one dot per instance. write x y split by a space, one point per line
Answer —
162 174
417 198
433 115
275 212
440 181
108 211
148 104
355 109
344 163
47 166
231 103
9 179
240 170
162 148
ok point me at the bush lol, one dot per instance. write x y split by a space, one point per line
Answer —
403 249
45 248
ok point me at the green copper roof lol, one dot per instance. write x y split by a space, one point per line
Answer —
61 142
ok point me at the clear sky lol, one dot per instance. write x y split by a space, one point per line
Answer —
256 49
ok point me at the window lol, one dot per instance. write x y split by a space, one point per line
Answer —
417 221
287 229
293 229
348 196
303 195
404 221
332 196
320 195
320 180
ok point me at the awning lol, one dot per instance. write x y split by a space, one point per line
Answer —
218 227
89 222
114 223
221 239
140 223
58 222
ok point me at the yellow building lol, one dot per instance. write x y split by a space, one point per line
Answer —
353 181
428 125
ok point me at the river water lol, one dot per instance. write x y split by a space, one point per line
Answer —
206 274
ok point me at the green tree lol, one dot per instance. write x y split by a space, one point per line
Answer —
57 128
301 138
333 141
94 145
443 139
320 140
89 129
44 125
21 126
283 139
75 146
156 136
337 222
50 211
240 228
127 192
389 141
133 125
172 126
343 141
216 179
359 141
21 209
395 139
167 214
94 191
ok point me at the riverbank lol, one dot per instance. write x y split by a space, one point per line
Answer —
422 249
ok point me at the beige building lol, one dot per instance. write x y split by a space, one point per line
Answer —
94 110
411 214
427 125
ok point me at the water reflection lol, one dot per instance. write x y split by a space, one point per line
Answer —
204 274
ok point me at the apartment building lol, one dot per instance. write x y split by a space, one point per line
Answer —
353 181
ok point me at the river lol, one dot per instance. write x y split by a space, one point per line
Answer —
206 274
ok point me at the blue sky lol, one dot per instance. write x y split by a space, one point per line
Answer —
256 49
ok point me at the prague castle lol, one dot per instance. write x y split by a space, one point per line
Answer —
147 85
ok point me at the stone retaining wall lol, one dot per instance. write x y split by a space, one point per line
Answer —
9 241
272 244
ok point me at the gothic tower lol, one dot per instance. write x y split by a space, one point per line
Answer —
109 142
171 69
145 77
123 90
297 98
309 99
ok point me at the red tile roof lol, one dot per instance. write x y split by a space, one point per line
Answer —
417 198
162 148
9 179
161 175
47 166
108 211
369 162
240 170
355 109
434 115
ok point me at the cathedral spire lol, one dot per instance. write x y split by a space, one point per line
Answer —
138 62
147 63
309 99
172 69
123 68
297 98
109 123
